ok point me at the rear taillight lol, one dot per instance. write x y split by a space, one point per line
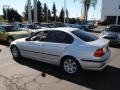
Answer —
99 53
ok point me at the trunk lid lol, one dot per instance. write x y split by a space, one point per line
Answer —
99 43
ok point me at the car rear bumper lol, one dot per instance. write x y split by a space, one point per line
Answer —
96 64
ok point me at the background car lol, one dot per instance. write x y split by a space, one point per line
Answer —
31 28
48 25
83 26
8 33
111 32
16 25
70 48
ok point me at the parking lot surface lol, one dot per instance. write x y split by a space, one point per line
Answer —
27 74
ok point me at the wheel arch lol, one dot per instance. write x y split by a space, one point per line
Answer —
19 53
10 36
12 46
67 56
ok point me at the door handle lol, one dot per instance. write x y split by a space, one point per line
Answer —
41 45
63 47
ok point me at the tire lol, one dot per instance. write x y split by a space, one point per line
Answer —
71 66
9 39
15 52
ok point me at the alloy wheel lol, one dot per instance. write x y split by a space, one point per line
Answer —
15 52
70 66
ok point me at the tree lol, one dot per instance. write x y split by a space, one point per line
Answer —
32 13
4 13
72 20
54 10
86 5
12 15
39 11
61 16
49 15
67 15
45 12
25 13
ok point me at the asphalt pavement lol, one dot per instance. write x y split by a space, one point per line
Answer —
27 74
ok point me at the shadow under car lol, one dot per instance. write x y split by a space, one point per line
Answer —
108 79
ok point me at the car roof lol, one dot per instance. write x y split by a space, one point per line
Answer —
66 29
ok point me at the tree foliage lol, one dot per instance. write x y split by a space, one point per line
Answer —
47 15
12 15
39 11
86 5
45 12
54 10
25 13
61 16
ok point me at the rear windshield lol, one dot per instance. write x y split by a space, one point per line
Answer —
85 36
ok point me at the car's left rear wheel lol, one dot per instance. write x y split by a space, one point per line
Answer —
71 66
15 52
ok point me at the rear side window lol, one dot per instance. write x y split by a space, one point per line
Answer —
59 37
85 36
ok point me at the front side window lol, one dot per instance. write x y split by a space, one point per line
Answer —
59 37
85 36
40 36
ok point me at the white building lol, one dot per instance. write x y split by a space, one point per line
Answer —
110 11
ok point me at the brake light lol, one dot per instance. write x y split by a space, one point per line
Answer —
99 52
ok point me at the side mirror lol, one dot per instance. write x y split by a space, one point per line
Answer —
27 39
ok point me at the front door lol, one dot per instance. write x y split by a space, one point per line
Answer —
33 47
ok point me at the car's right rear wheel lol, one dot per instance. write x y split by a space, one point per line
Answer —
9 39
71 66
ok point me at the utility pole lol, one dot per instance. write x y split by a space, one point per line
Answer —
6 7
64 11
29 11
116 19
35 10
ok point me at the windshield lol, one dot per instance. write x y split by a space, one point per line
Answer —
10 29
85 36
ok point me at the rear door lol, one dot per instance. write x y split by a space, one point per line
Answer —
55 45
